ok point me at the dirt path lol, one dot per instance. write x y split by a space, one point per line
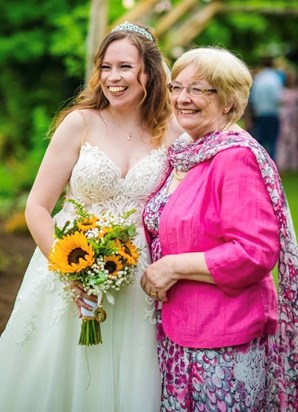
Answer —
15 253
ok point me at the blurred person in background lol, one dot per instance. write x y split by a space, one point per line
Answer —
265 104
287 143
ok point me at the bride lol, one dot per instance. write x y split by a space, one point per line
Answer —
107 152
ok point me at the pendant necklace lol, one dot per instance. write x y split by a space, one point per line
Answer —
127 133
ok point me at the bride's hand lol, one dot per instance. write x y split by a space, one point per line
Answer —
79 294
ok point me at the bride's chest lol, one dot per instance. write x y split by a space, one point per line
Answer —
96 176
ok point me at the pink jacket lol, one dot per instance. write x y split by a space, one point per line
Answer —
222 207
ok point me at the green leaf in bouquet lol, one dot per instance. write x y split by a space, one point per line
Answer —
131 231
59 233
100 278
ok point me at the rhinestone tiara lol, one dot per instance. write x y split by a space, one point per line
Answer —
131 27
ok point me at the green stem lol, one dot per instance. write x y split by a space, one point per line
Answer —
90 332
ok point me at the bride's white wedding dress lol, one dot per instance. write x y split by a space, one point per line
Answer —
42 367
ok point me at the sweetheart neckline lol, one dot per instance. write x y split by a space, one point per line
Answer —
152 151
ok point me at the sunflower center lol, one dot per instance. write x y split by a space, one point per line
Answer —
110 266
75 255
127 250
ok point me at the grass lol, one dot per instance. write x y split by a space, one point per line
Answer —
290 183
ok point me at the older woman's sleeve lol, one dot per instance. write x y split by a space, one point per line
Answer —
249 228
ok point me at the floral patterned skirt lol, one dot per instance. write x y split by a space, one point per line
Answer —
226 379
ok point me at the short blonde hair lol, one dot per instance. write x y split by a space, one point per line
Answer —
228 74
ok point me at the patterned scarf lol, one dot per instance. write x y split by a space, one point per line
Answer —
283 350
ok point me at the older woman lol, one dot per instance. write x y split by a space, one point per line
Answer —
217 227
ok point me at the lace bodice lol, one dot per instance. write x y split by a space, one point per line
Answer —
96 181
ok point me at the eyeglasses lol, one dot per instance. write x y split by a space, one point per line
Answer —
193 90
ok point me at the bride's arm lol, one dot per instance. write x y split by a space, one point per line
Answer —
53 174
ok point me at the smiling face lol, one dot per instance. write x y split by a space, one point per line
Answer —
197 115
122 76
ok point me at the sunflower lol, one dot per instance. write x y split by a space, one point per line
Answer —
129 252
71 254
113 264
104 231
87 223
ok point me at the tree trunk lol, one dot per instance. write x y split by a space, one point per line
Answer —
96 32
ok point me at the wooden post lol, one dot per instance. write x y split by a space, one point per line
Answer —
175 14
138 11
195 24
96 31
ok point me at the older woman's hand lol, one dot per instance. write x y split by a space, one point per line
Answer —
158 278
161 275
79 294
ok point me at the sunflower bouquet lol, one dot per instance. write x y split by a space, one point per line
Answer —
98 252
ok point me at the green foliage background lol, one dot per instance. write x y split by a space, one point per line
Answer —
42 62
